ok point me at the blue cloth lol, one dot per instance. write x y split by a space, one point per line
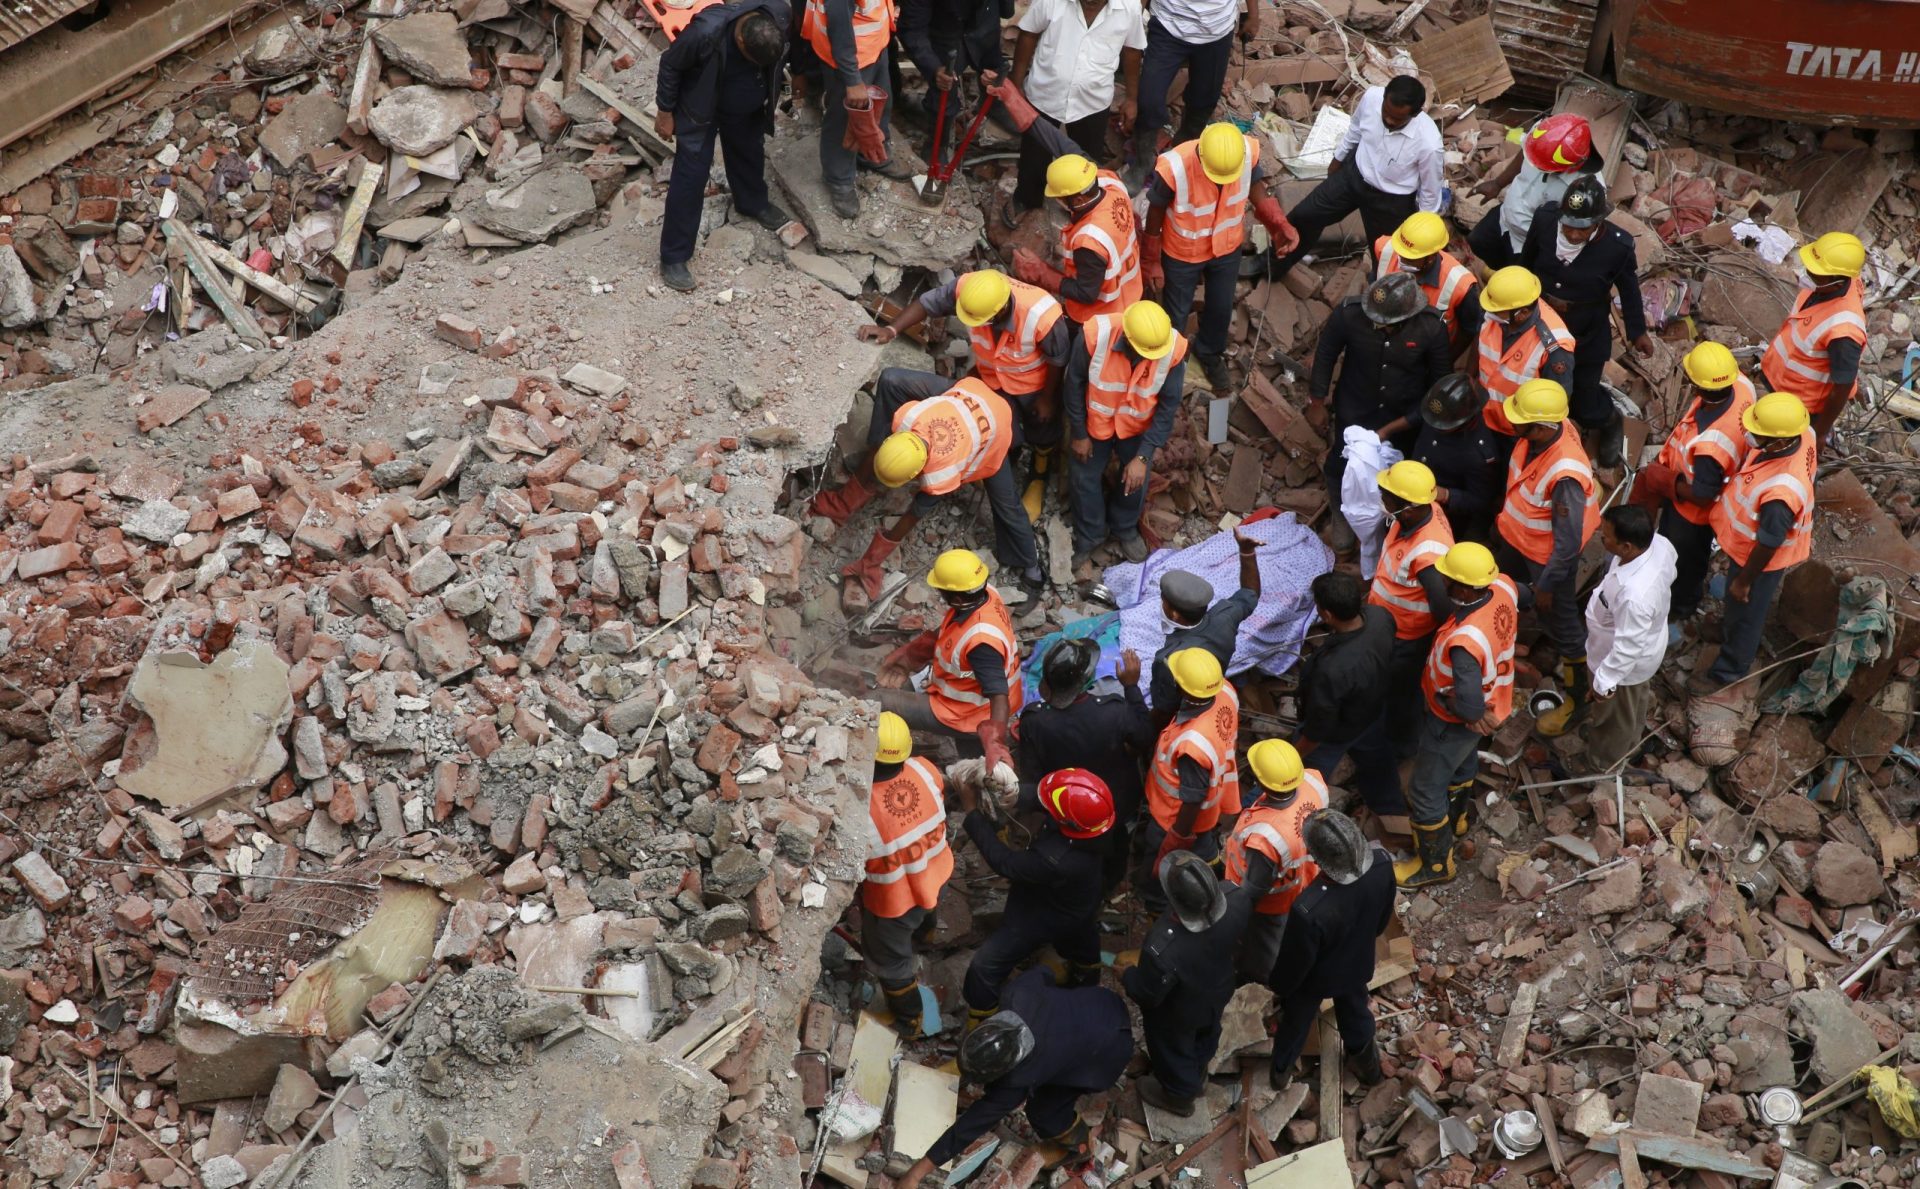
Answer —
1103 629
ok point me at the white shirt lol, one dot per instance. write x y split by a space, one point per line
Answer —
1074 65
1197 22
1627 618
1398 161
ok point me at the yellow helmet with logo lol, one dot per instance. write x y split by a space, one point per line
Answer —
1469 563
980 296
900 458
1070 175
1509 289
1412 481
1835 254
1423 234
958 571
1197 672
1276 764
1223 152
1148 329
896 740
1711 366
1536 402
1776 415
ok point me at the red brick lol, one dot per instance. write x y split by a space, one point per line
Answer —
328 543
388 1003
42 882
349 803
569 498
301 393
51 560
451 328
483 739
112 557
513 107
63 522
544 117
169 405
533 62
134 914
717 750
241 501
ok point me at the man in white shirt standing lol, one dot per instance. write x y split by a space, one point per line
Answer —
1064 63
1387 168
1196 34
1626 634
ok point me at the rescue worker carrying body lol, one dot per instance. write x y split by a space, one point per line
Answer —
1108 735
1185 979
1581 260
851 39
909 865
1122 394
1266 855
1192 620
1419 248
1099 270
1045 1047
1521 339
1816 355
1464 455
1468 686
1197 206
1055 886
1555 152
973 684
1704 450
1764 523
1195 778
1412 590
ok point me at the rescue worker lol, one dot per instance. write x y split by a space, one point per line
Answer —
1704 450
1109 735
1412 591
908 865
1195 778
1266 856
1555 151
1197 206
1816 355
1099 271
1390 348
851 40
1122 394
1522 339
719 81
1468 686
944 437
1184 980
973 685
1581 260
1045 1047
1328 950
1343 691
1054 892
965 33
1764 523
1419 247
1193 620
1551 512
1456 444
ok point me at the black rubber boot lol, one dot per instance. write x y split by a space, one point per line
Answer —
1366 1065
1460 808
1155 1094
904 1003
1433 860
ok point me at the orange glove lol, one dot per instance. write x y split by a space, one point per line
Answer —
1034 271
993 745
1172 843
1285 238
1151 269
864 134
1653 486
1014 103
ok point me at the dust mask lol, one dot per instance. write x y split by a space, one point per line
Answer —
1169 625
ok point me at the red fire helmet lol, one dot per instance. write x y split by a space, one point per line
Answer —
1079 800
1559 143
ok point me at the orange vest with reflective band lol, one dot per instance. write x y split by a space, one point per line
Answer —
1396 580
968 430
953 689
1796 360
1787 477
1278 832
1724 441
1205 220
1456 280
1526 520
1012 363
1488 633
1208 738
913 860
873 22
1502 372
1107 229
1122 394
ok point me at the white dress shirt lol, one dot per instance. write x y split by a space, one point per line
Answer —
1072 75
1197 22
1627 618
1398 161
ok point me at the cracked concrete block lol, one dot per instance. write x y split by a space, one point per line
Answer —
429 45
209 730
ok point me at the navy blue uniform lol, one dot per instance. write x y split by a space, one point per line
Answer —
1582 291
1111 737
1182 984
1467 464
1216 632
1327 953
1054 900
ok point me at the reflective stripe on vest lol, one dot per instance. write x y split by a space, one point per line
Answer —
1122 396
952 689
1279 833
1502 372
1396 581
1445 297
968 430
1013 363
1210 738
913 860
1788 477
1488 633
873 22
1797 362
1723 440
1205 220
1526 520
1108 229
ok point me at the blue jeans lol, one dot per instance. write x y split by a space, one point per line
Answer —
1219 275
1206 65
746 165
1097 513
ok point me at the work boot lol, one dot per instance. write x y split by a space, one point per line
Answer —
1081 557
1073 1139
1433 860
1609 440
1083 974
677 276
1133 548
1214 367
1576 681
845 200
974 1016
904 1003
1154 1094
1146 142
895 166
1034 499
1279 1079
1461 807
1366 1065
773 218
838 504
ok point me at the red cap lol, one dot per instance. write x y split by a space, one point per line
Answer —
1079 800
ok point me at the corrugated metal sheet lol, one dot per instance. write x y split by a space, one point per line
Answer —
1545 41
21 19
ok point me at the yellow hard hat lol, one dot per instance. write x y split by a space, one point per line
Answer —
1411 481
900 458
1223 151
958 571
981 296
896 740
1469 563
1509 289
1070 175
1149 331
1776 415
1536 402
1423 234
1276 764
1711 366
1197 672
1835 254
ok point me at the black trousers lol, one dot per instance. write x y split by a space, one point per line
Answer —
1490 243
1030 184
1181 1047
1566 623
1334 199
1352 1011
746 164
1742 624
1592 333
1206 65
1694 543
1018 938
1405 702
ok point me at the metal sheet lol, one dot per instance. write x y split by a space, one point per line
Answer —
23 18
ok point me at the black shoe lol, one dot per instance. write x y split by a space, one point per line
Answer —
845 200
1366 1065
772 217
1609 441
677 276
1010 215
1154 1094
1218 377
1277 1080
1133 548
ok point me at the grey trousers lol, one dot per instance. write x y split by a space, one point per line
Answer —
1742 625
888 945
1616 724
1449 754
837 162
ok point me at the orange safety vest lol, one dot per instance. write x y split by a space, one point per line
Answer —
968 430
953 689
1012 363
1278 832
1209 738
913 860
1502 372
1205 220
1526 520
1789 477
1396 580
873 22
1487 632
1796 360
1724 441
1107 229
1121 394
1456 280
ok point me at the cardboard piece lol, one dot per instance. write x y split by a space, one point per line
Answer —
1465 62
1323 1166
871 1064
927 1104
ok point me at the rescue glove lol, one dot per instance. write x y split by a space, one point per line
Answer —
1285 239
1000 771
867 570
1014 103
1151 269
1653 486
1171 844
864 133
1028 267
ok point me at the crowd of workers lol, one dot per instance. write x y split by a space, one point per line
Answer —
1487 380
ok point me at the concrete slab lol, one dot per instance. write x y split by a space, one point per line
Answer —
1166 1128
893 224
210 729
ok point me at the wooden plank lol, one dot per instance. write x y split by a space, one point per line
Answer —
1550 1131
215 283
1330 1074
355 220
620 33
285 294
366 72
573 34
628 112
1630 1175
1513 1041
926 1104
